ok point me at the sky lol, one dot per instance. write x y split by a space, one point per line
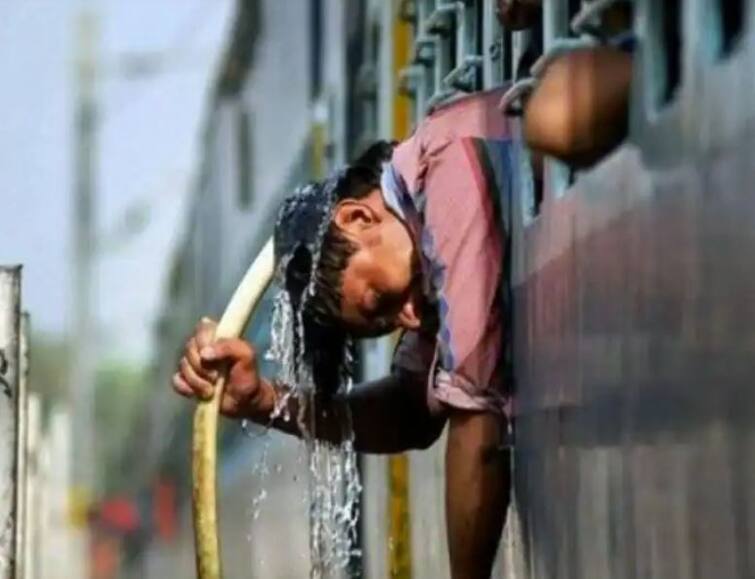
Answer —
148 142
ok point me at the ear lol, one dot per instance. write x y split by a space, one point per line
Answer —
353 216
407 318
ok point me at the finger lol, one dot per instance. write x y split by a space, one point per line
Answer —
204 333
201 387
181 387
225 349
200 367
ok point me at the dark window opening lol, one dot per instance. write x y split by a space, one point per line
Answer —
732 16
506 49
537 164
479 48
572 177
532 52
448 46
670 29
538 185
244 159
574 7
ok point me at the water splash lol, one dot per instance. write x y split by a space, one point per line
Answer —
334 486
257 503
261 468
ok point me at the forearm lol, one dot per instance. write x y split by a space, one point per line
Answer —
387 415
477 492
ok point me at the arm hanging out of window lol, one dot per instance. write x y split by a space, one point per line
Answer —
580 111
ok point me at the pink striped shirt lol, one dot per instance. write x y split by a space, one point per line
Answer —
451 182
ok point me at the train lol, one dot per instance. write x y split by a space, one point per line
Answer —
633 316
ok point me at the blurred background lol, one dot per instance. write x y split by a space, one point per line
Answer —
144 149
104 104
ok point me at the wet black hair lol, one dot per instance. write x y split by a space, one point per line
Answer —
326 344
359 180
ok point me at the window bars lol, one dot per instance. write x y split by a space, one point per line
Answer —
448 57
459 47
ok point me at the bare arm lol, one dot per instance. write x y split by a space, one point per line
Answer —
477 492
387 415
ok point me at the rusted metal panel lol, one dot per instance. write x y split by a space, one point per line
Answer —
10 285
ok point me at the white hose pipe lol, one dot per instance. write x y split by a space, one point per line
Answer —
205 441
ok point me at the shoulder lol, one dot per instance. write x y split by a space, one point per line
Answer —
475 115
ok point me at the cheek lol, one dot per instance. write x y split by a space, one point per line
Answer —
398 277
349 294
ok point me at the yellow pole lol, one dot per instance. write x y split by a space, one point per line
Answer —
399 521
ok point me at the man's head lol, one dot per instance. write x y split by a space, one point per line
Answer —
366 277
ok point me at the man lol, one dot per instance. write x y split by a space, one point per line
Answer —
414 239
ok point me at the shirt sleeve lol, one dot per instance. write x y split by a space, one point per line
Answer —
462 239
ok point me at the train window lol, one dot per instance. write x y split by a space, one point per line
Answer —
538 185
506 49
731 21
574 7
531 183
244 155
668 30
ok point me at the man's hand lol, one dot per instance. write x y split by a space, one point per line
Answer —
246 394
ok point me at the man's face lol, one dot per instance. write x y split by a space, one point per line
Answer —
380 287
379 294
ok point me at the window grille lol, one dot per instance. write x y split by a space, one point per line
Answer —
454 45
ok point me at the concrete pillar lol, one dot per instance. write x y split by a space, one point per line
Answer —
10 315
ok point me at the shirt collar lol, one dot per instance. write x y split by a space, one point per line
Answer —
393 188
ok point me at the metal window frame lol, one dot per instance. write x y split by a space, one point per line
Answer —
485 56
453 52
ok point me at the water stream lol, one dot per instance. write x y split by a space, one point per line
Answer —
334 486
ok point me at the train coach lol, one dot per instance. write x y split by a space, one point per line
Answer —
632 309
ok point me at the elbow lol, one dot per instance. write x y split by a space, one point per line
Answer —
424 436
580 111
547 126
